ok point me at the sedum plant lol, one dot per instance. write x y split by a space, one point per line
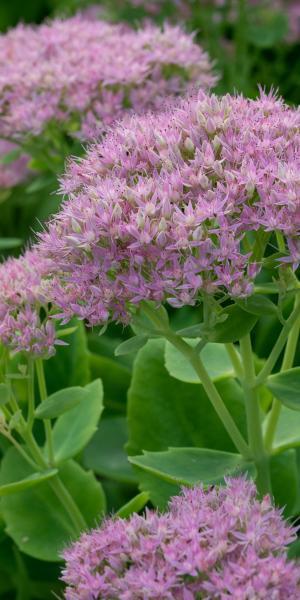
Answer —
184 226
195 207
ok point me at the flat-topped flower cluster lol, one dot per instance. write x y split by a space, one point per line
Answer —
85 74
166 208
214 544
160 209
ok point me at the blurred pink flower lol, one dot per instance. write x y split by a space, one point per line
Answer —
84 75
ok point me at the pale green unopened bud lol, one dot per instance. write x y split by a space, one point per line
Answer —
75 226
168 165
250 187
150 209
162 226
216 142
117 211
189 145
140 221
203 181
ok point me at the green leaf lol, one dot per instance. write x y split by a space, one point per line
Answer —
288 430
258 304
4 394
160 491
133 506
65 332
237 324
7 243
115 378
267 287
194 331
163 411
11 156
189 466
117 494
286 387
71 364
143 326
27 482
61 402
214 357
131 345
285 482
105 453
73 430
35 519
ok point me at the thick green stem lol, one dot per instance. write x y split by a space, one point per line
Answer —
20 449
254 425
235 360
69 504
57 486
278 347
208 385
43 396
287 363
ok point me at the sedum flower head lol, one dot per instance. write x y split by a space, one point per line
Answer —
216 544
86 74
24 322
159 210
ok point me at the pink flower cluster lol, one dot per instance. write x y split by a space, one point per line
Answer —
24 322
159 210
86 74
215 544
15 172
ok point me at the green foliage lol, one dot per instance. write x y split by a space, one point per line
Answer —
163 411
34 518
285 482
236 324
4 394
105 453
131 345
27 482
258 304
60 402
71 367
74 429
213 356
288 430
135 505
115 378
286 387
190 466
